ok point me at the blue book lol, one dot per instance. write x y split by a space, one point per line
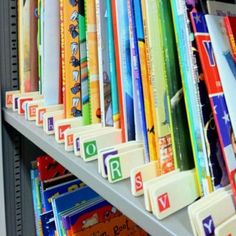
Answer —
69 200
140 119
57 190
125 60
48 223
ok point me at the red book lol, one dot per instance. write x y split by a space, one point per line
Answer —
230 26
49 168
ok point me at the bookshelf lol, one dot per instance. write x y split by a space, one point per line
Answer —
118 194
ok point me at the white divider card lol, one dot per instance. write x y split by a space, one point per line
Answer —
140 174
49 119
69 134
171 195
87 133
227 228
64 124
115 150
201 203
89 146
119 166
9 98
21 102
30 108
214 213
16 96
147 185
41 110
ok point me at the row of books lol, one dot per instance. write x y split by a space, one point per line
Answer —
63 205
161 71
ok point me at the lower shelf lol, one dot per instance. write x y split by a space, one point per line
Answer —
118 194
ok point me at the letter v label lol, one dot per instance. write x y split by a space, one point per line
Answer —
163 202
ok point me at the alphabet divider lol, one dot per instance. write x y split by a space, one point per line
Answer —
227 227
64 124
30 109
69 134
113 150
49 119
42 109
9 98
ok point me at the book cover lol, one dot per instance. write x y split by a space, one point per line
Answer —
112 67
139 112
71 63
222 108
49 168
57 190
48 224
191 94
174 89
103 59
230 26
158 72
92 57
83 62
221 8
144 52
213 87
69 200
125 64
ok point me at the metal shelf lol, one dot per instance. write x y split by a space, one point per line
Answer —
118 194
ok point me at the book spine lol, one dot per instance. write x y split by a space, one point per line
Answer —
118 69
113 78
153 128
231 37
92 54
137 79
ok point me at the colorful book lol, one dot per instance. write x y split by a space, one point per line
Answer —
68 201
48 224
139 110
158 72
144 53
230 26
71 64
83 62
178 120
125 65
191 94
220 98
104 69
92 57
49 168
27 28
112 66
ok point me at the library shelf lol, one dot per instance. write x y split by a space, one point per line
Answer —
118 194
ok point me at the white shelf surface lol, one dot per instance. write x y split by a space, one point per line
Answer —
118 194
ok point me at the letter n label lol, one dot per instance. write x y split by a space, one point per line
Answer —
163 202
115 168
90 149
208 226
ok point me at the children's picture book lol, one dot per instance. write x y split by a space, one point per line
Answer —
27 28
230 26
69 200
222 100
103 59
92 57
178 120
112 66
71 60
48 223
221 8
49 168
190 76
139 110
125 65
